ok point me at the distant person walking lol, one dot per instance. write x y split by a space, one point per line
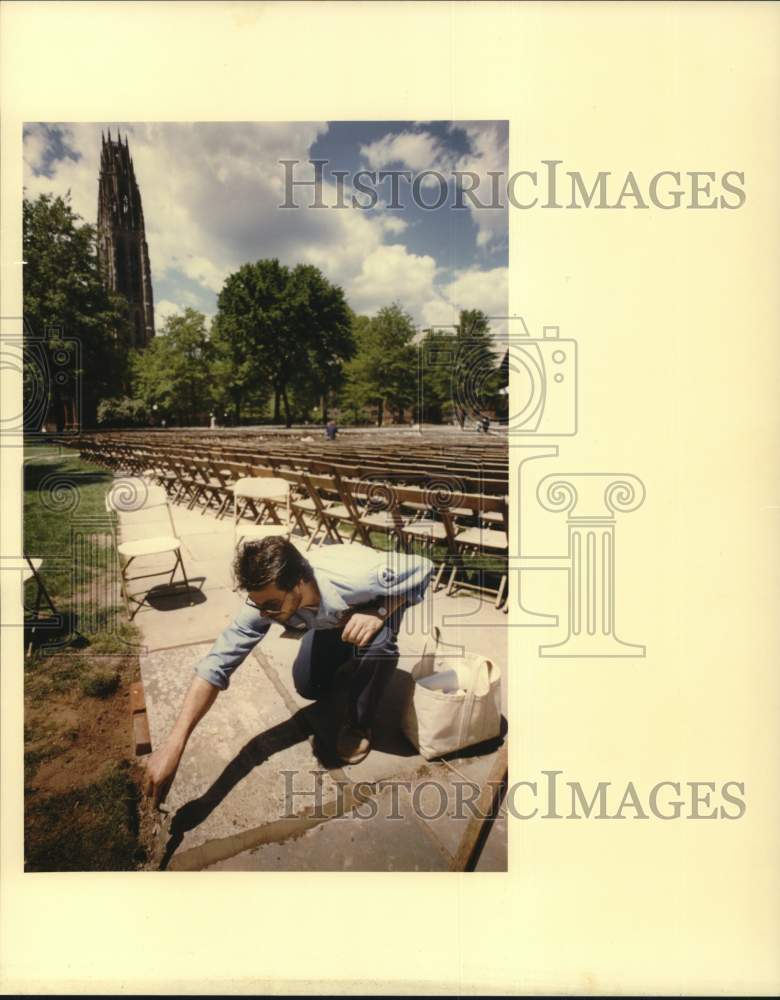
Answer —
331 430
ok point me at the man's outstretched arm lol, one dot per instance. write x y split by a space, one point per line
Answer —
212 676
161 766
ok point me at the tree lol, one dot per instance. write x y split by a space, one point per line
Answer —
460 373
172 373
281 328
476 370
323 327
438 349
384 370
122 411
65 300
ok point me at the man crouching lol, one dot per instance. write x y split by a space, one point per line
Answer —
349 599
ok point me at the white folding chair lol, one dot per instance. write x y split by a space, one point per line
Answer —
268 491
130 499
33 614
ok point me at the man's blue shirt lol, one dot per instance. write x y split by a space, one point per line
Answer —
347 576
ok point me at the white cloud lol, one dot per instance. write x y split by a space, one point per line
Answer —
34 146
211 196
162 310
391 273
77 175
471 289
416 150
392 224
490 152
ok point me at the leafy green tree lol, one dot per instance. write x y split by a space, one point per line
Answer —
65 300
238 379
172 373
354 395
383 372
438 349
122 411
323 328
476 371
284 328
460 371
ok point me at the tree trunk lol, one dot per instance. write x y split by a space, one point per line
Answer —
287 420
380 413
277 413
324 404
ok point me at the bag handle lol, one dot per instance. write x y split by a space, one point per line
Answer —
476 673
436 633
469 701
424 666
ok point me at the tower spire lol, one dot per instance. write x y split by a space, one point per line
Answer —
122 248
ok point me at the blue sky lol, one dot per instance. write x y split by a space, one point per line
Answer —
211 194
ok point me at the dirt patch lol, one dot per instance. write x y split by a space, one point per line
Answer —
82 780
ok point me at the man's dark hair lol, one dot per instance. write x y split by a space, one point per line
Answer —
265 561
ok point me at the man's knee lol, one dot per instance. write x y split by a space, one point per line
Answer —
302 679
302 672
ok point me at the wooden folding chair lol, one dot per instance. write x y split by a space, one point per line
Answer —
432 525
376 504
483 542
260 492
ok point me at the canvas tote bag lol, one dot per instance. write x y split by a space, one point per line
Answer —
440 721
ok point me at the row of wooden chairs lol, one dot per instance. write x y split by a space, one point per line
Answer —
475 478
463 532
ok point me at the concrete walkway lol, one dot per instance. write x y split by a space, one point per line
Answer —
258 788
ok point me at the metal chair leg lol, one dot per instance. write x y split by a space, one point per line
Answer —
183 570
123 583
500 594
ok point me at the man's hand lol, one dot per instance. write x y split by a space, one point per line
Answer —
161 767
162 764
361 628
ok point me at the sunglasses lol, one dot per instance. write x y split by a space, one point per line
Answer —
273 608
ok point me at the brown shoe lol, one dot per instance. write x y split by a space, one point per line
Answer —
353 743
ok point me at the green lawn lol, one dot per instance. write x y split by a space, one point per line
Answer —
81 797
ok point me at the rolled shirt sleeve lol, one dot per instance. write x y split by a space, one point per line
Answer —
414 576
395 574
232 647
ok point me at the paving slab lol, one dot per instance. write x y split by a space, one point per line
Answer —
209 574
231 775
356 841
192 522
439 793
231 790
186 617
204 546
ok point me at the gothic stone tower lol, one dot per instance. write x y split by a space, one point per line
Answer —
121 238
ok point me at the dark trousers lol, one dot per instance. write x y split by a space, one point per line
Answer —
321 653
